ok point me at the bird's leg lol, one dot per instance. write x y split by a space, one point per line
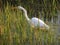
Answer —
43 29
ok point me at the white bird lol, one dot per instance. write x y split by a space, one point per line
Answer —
35 22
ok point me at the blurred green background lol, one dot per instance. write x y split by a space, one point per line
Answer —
15 30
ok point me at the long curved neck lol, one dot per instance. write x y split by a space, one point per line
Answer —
25 12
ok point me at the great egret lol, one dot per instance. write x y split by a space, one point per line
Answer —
35 22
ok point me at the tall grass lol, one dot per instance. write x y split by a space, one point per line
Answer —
15 30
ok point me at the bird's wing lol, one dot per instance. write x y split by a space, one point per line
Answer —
37 22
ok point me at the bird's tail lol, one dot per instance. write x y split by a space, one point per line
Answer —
47 27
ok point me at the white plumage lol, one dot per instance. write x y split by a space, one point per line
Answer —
37 22
34 21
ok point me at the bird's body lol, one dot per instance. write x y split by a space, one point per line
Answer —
37 22
34 21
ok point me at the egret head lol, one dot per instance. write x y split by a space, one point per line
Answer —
21 8
25 12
